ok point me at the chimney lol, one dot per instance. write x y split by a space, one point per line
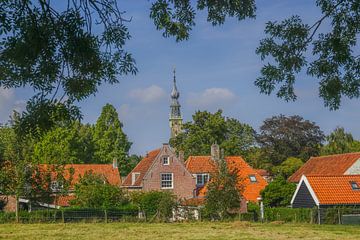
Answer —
215 152
115 163
181 156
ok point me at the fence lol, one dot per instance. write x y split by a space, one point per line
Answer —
65 216
343 215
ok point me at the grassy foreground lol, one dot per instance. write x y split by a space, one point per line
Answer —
198 230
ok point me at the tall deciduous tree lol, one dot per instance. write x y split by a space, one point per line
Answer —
62 145
223 191
282 137
340 141
334 58
110 140
207 128
288 167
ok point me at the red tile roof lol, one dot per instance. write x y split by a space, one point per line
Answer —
335 189
326 165
107 170
263 172
204 164
142 167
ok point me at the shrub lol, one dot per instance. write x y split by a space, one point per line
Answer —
155 204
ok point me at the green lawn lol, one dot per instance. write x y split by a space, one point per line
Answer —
202 230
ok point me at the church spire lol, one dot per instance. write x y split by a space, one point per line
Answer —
175 119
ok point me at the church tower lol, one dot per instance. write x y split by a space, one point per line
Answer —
175 119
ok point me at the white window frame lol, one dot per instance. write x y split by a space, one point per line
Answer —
162 180
134 177
55 186
166 160
202 178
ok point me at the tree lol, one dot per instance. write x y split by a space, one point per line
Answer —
207 128
53 48
223 191
64 145
282 137
94 191
278 193
334 60
109 139
340 141
288 167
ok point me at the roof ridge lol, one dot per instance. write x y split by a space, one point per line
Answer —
338 154
348 175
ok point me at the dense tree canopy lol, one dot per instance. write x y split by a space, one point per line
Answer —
334 57
207 128
109 139
281 137
72 144
340 141
278 193
288 167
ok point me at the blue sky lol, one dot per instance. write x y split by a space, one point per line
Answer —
216 68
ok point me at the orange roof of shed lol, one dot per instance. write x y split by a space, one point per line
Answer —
335 190
326 165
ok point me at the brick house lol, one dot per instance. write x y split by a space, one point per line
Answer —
108 171
249 179
338 164
161 169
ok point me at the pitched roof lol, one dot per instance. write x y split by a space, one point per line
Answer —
263 172
335 189
142 167
107 170
204 164
326 165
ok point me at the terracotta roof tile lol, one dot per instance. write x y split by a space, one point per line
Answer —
326 165
204 164
142 167
335 189
106 170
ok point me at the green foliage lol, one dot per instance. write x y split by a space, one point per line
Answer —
109 139
207 128
288 167
278 193
93 191
223 191
63 145
339 142
53 50
304 215
282 137
157 204
335 63
176 18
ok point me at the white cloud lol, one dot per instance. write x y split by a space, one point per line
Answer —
211 97
8 103
148 95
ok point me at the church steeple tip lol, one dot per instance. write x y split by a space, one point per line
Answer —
175 119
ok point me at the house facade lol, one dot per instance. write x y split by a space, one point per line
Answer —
161 169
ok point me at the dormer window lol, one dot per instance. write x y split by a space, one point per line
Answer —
55 186
166 160
354 185
252 178
134 177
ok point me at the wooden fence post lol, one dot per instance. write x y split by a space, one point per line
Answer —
106 217
62 216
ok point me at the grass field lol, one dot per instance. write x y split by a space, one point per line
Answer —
202 230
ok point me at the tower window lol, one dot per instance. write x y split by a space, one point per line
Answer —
166 160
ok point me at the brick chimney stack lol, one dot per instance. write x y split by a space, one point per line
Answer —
215 152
